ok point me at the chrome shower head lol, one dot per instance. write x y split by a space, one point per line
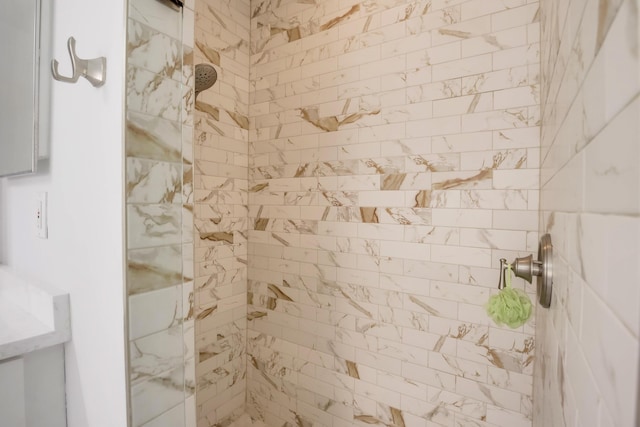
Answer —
206 76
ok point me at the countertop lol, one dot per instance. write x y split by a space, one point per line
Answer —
33 315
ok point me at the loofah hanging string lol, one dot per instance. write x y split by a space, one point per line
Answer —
511 307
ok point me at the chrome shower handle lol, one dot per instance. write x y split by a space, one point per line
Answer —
503 271
527 267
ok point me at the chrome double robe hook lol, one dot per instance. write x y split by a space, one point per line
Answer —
94 70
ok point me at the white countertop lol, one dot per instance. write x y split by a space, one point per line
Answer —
33 315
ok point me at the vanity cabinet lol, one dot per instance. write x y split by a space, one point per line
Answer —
32 389
34 325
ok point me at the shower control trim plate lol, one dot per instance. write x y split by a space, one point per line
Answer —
545 279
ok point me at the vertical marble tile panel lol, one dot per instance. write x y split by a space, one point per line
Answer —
154 311
153 181
151 397
152 137
153 268
153 225
153 94
156 15
160 379
174 417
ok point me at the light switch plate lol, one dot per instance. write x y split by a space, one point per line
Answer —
41 216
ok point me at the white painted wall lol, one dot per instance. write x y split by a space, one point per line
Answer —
84 179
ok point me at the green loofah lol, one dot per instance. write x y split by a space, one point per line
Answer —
511 307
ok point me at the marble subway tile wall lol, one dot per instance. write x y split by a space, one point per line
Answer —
220 210
393 160
587 343
159 195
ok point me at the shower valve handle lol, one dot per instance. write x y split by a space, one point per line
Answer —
527 267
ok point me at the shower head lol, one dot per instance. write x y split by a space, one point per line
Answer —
206 76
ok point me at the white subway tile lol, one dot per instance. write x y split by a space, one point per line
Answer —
517 97
492 42
516 16
475 8
516 178
460 255
472 218
515 220
462 67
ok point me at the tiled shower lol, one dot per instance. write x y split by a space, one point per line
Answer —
313 240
